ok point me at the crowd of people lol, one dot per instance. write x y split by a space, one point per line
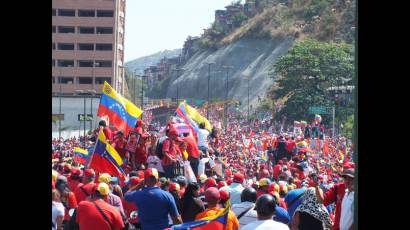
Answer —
268 180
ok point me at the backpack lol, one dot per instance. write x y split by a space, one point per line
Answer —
72 223
158 149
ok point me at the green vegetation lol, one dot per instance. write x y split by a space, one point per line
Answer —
306 72
348 126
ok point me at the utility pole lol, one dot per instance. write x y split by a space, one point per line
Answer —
209 78
248 99
133 88
226 94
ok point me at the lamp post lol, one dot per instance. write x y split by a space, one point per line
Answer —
92 93
226 94
178 71
81 92
209 78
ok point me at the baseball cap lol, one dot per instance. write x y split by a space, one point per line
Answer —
140 122
162 180
210 182
224 194
140 174
212 194
76 172
89 173
134 180
348 173
202 178
221 184
105 177
174 187
264 181
103 189
229 181
151 172
238 177
67 167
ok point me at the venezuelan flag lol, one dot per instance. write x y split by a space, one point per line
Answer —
217 222
105 159
80 155
192 117
122 113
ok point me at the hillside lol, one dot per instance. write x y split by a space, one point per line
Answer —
139 64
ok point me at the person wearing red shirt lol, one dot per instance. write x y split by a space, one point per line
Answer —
93 214
84 190
290 147
170 150
67 197
103 126
277 169
193 153
75 179
119 143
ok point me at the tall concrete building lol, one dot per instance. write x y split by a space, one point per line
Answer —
88 45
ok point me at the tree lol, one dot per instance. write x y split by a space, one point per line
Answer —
307 71
238 18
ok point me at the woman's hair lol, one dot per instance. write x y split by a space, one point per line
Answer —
189 193
55 195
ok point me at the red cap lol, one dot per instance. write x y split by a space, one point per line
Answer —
135 180
89 173
67 167
221 184
151 172
174 186
224 195
172 132
212 194
76 171
280 162
238 177
210 182
229 181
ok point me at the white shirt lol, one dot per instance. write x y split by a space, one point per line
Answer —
203 137
57 209
265 225
235 190
249 216
347 211
151 163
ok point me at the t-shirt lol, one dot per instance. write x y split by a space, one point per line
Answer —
80 195
170 147
192 147
249 216
232 222
154 205
265 225
73 184
115 201
89 218
203 137
235 190
347 211
57 209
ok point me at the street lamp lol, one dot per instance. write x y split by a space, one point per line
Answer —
226 94
178 71
209 77
91 93
81 92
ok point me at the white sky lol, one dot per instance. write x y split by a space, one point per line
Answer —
156 25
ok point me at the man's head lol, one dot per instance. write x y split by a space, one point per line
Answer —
348 177
248 194
102 123
102 190
140 123
238 178
210 182
264 184
89 175
173 134
265 207
119 135
104 178
212 196
151 177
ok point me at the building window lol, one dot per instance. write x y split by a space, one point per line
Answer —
66 80
103 46
66 29
100 63
53 29
54 46
85 46
100 80
85 80
65 63
53 62
104 30
65 46
66 12
54 80
85 63
53 12
105 13
86 30
86 13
